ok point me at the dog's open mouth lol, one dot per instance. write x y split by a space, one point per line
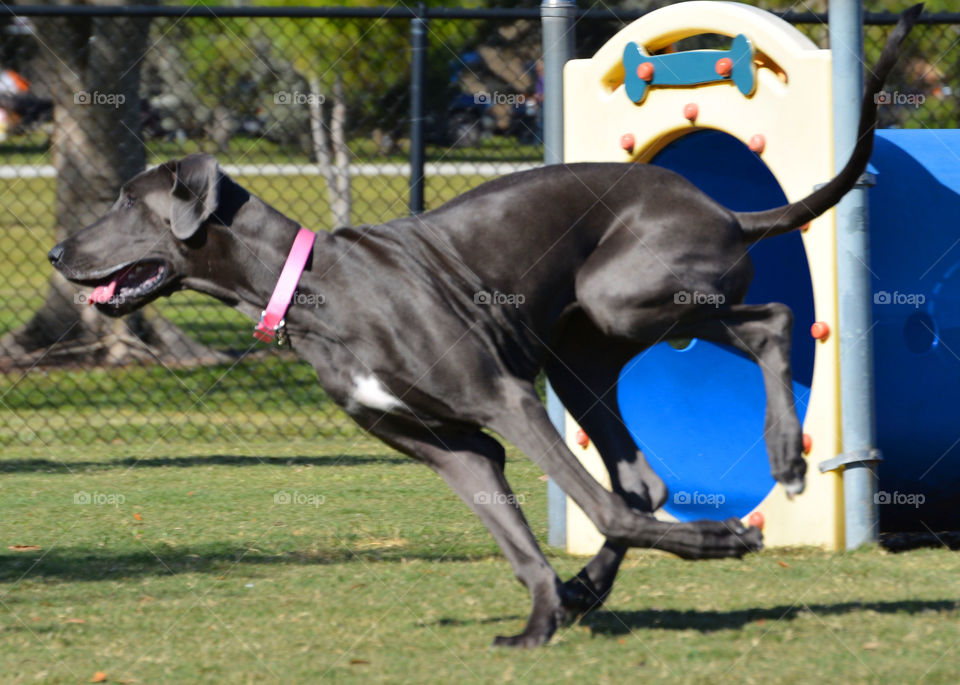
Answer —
128 283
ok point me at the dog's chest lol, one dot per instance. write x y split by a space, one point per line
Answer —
349 379
369 392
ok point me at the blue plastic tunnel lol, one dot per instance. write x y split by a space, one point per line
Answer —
696 408
915 258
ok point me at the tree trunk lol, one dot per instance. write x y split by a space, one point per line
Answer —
330 151
91 66
318 134
341 153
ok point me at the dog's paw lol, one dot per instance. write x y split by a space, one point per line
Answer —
787 463
750 538
795 487
580 596
548 614
522 641
707 539
532 636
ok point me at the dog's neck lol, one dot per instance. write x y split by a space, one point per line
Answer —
237 235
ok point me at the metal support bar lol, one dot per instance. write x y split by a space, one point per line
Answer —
418 78
853 281
557 17
847 458
866 180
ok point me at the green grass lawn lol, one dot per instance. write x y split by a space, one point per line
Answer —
379 574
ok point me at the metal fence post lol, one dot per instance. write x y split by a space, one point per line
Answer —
557 18
418 77
858 420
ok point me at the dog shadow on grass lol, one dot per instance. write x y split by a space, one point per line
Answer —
54 466
607 622
615 623
71 564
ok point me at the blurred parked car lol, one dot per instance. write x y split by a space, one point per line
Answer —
20 110
493 99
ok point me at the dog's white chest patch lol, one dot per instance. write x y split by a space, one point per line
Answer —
369 392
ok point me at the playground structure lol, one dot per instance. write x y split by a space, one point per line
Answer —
752 127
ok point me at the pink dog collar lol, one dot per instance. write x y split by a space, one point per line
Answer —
271 320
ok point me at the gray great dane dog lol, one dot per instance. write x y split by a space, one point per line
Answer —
583 260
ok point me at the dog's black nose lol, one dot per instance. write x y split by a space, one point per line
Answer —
55 254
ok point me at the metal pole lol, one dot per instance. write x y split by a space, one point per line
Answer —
853 280
418 77
557 17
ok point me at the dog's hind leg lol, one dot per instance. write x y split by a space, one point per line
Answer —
660 304
583 367
764 332
472 464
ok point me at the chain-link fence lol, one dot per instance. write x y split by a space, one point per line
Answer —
310 110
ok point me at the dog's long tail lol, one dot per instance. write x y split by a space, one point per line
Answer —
772 222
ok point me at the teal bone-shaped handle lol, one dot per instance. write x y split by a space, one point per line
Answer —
688 68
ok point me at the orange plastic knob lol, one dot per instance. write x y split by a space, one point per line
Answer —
820 330
645 71
758 143
582 439
724 66
807 443
627 142
691 111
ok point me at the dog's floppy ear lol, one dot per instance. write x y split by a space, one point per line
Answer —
193 197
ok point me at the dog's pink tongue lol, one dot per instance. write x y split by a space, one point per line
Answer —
102 293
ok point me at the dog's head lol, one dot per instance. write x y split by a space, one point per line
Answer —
140 249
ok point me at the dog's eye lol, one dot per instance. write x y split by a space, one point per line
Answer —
129 201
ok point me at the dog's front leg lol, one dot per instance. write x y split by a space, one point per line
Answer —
472 464
524 421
